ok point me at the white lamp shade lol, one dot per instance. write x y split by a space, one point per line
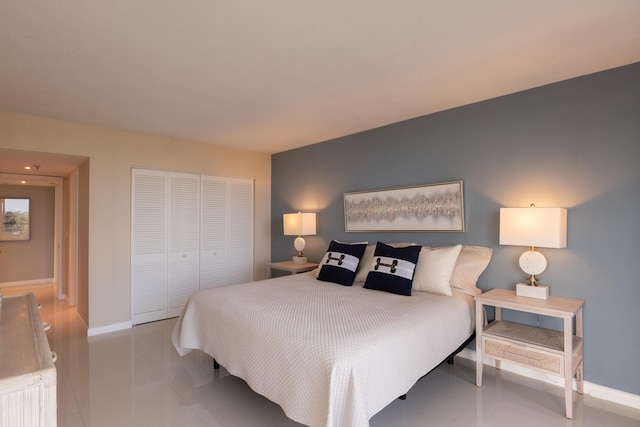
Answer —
537 227
299 224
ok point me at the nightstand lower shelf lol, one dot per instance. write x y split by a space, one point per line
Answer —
530 346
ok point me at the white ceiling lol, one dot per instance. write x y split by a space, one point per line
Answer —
274 75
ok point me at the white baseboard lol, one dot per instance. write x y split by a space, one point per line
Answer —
26 283
114 327
595 390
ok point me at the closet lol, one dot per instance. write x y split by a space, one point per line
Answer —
188 232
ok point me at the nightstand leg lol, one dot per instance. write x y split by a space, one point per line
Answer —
479 330
580 371
498 363
568 397
580 378
568 366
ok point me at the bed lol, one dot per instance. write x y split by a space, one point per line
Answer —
329 355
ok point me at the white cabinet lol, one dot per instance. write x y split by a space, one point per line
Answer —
27 371
189 232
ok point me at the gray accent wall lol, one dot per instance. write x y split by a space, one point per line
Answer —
573 144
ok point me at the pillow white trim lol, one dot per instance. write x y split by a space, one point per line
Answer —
340 259
397 267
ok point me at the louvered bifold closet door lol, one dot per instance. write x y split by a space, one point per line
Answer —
214 234
149 221
240 231
184 239
189 232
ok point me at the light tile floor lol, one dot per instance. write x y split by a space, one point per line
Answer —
135 378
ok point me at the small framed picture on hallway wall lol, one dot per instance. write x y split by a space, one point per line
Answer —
16 224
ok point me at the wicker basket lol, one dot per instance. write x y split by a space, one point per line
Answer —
526 356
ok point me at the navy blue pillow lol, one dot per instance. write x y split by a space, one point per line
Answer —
340 262
392 269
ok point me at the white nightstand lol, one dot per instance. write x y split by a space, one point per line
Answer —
290 267
552 352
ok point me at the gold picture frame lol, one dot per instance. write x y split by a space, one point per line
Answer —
16 223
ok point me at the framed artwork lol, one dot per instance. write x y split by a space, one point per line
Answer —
16 224
430 207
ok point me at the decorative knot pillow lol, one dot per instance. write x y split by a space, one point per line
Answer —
392 269
340 262
365 262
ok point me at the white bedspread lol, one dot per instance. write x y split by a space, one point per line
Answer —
329 355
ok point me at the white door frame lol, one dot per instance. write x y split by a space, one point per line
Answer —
72 241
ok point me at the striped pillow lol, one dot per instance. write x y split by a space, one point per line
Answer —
340 262
392 269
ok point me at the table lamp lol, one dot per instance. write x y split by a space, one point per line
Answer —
541 227
299 224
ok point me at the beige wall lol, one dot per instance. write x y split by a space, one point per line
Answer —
111 155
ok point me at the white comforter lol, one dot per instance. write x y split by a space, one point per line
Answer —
329 355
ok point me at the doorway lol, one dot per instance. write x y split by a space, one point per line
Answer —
69 175
14 182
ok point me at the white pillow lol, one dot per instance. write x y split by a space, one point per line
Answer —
471 263
365 264
435 268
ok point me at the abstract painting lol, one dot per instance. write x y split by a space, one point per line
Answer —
429 207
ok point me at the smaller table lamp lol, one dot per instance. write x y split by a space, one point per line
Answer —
299 224
542 227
